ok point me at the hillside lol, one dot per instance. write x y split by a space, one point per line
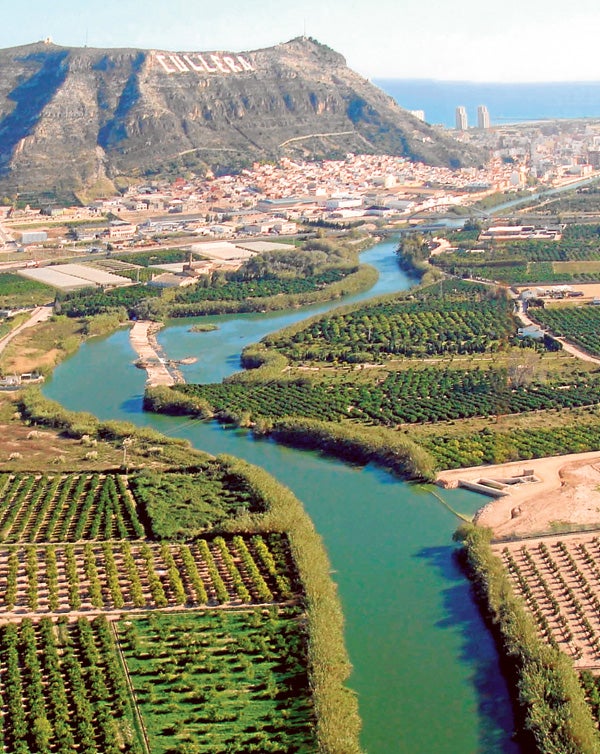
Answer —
79 117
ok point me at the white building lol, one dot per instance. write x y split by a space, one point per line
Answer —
483 117
462 122
285 228
345 202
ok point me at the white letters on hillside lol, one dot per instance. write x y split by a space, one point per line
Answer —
196 62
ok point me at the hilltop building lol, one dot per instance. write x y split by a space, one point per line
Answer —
462 122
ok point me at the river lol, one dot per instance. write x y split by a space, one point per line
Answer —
425 667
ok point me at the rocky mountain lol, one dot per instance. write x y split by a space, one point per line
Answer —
82 118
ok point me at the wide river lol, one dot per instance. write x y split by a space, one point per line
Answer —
425 667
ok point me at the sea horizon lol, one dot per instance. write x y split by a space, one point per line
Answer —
507 103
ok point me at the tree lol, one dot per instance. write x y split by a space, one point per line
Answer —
41 732
524 367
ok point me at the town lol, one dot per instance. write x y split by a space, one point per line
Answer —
276 199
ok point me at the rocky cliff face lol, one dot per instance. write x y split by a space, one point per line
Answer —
75 118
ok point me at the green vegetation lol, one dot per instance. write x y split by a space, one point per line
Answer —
455 450
269 548
336 707
94 301
267 281
10 323
527 261
554 716
66 507
181 505
359 445
446 318
582 199
591 688
16 291
152 258
410 395
216 681
147 447
195 300
64 686
234 290
41 347
204 327
579 324
413 252
500 197
116 575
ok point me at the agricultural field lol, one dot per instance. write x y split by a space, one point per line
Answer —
472 448
79 550
559 580
111 576
183 505
16 291
406 396
66 508
64 689
528 273
529 261
221 681
184 303
453 317
154 257
72 507
585 199
579 324
577 268
238 290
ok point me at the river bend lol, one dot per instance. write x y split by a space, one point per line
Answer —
425 667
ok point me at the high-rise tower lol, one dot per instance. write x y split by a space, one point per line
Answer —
461 119
483 117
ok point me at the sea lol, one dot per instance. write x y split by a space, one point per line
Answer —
506 103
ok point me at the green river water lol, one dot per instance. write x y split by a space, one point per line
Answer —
425 667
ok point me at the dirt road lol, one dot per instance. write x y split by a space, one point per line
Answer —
568 347
40 314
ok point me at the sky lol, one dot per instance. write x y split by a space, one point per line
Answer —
470 40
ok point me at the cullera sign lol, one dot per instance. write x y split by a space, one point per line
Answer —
195 62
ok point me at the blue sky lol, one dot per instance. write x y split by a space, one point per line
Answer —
514 40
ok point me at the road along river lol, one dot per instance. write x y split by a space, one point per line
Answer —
425 667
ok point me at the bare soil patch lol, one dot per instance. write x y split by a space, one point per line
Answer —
568 493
